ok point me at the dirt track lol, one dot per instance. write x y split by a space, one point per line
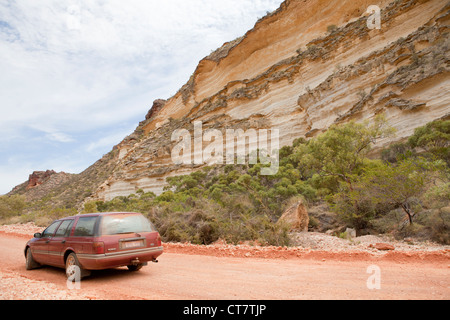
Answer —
183 274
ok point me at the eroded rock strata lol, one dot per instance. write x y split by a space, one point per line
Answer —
302 68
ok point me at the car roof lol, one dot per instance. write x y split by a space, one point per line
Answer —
97 214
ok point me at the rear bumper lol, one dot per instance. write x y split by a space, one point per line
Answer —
118 259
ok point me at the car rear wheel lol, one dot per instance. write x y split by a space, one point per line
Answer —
30 262
74 271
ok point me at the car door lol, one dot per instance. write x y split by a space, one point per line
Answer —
39 247
58 243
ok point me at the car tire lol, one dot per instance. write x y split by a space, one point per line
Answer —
73 266
30 262
133 267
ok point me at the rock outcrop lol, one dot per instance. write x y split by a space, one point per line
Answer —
39 177
157 106
296 217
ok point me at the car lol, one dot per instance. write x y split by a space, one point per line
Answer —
95 241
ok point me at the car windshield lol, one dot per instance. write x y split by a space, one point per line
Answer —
125 223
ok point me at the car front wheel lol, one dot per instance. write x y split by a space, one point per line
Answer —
30 262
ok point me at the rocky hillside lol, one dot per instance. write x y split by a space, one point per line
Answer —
66 190
41 183
302 68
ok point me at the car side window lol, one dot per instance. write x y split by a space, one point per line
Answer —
85 227
63 228
50 230
69 228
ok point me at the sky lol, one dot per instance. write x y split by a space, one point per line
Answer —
76 77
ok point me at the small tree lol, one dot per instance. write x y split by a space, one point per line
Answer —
396 185
433 138
341 152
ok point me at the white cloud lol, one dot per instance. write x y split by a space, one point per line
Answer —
108 140
73 68
59 137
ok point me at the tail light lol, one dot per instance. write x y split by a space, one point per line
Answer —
158 240
99 247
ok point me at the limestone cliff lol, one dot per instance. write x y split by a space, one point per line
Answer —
302 68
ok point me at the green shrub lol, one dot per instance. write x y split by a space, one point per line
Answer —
434 138
11 205
440 227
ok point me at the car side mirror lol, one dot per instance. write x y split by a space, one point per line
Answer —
38 235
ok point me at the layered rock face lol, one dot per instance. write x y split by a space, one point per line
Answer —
306 66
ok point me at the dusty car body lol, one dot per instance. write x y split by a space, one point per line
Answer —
95 242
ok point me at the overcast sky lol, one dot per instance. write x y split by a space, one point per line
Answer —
76 76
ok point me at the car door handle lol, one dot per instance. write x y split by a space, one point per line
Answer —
64 241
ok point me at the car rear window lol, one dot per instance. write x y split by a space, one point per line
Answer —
125 223
85 227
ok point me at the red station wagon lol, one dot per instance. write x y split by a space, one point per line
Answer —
95 242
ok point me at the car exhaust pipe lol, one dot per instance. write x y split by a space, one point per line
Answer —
154 260
135 262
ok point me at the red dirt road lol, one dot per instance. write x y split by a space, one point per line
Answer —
187 276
